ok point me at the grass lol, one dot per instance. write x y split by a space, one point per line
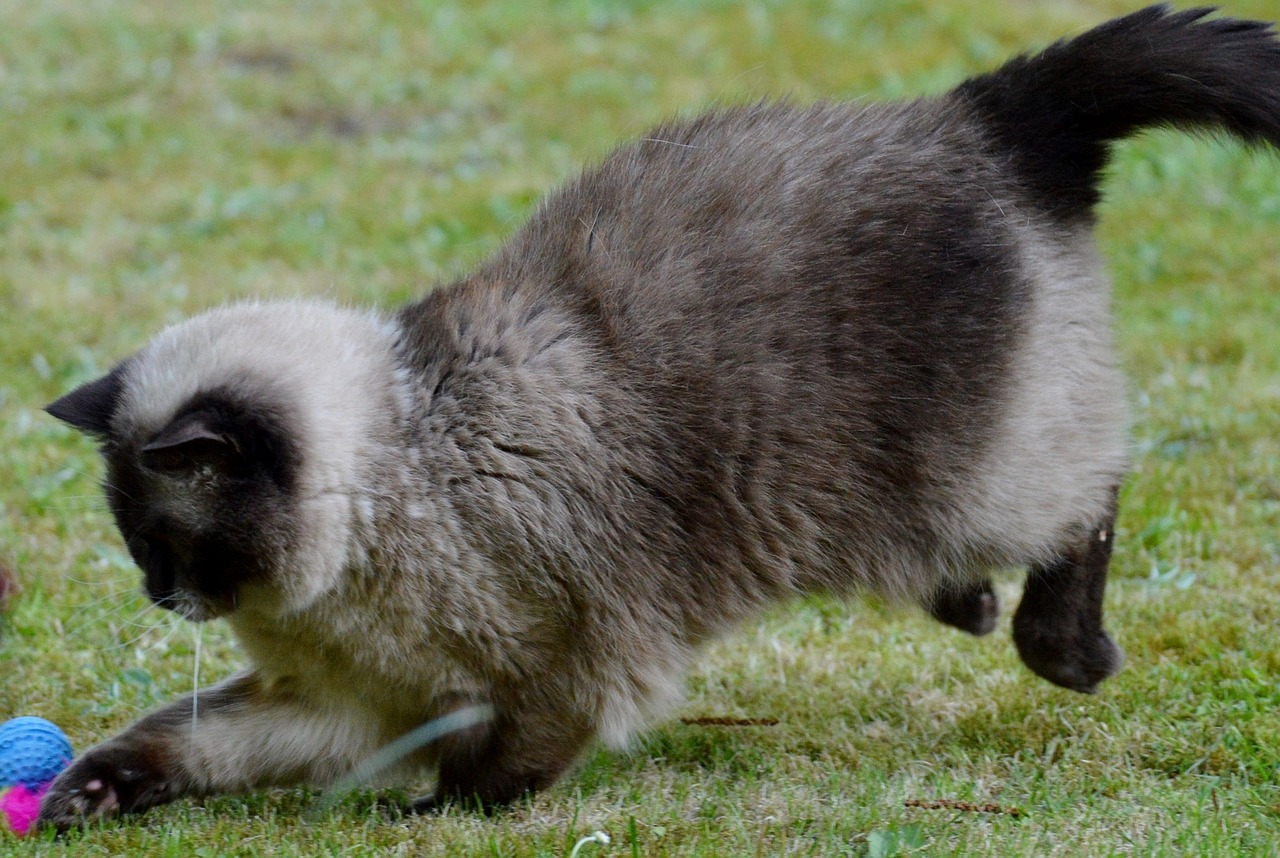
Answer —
159 158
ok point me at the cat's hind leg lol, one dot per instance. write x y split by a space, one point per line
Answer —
491 765
973 608
1058 624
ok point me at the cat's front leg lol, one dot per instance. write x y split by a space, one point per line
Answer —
973 608
143 766
243 734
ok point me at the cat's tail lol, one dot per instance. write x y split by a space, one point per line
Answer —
1055 113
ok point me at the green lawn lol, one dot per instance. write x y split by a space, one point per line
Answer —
159 157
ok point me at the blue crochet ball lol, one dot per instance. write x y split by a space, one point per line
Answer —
32 752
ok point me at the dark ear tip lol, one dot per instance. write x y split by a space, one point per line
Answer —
90 406
60 409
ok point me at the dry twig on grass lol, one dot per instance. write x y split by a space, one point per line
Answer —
969 807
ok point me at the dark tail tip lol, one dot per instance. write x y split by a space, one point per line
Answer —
1055 113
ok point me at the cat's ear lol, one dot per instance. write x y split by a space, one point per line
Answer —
190 442
89 407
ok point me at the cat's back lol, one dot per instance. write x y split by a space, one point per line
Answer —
853 270
799 328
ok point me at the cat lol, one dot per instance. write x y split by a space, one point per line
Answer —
768 351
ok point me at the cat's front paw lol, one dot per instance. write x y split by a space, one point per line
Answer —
974 609
109 779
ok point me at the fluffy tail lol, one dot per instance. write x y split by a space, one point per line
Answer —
1056 112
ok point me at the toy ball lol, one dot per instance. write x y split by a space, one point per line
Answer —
33 752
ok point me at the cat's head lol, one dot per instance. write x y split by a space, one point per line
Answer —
233 446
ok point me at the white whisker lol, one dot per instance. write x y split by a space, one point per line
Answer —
141 625
85 583
119 597
63 465
105 616
96 502
173 629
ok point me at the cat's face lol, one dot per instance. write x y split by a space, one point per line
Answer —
221 469
204 499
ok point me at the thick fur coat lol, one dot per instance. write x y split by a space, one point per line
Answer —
770 351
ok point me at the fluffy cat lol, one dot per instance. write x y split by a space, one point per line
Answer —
769 351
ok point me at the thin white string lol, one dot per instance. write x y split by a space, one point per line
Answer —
195 682
595 837
396 750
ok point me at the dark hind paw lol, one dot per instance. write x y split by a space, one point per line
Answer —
973 609
1074 659
1058 624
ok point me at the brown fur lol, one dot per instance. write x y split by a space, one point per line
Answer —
769 351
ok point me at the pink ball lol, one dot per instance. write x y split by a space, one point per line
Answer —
20 807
